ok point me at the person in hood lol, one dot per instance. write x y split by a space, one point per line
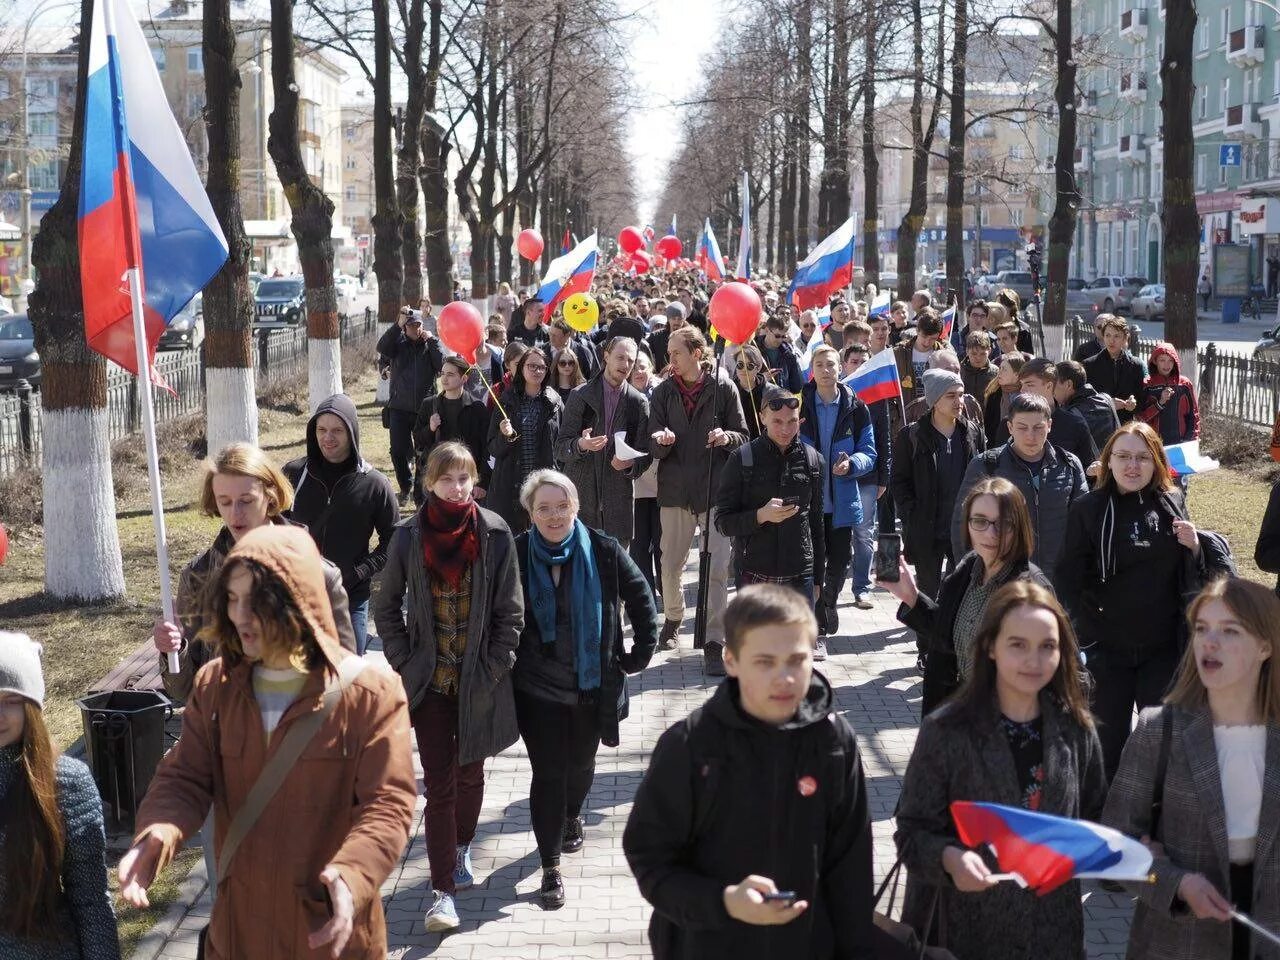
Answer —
1019 733
750 834
307 873
343 501
1168 404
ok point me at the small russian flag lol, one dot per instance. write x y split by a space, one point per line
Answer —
569 274
880 305
1185 459
877 379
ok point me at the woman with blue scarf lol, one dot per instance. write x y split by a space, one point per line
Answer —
571 666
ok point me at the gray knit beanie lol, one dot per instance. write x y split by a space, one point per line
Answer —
20 671
937 382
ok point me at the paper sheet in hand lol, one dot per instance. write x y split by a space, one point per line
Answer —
621 450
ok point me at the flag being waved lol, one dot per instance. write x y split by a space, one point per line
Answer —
708 255
1044 851
568 274
877 379
142 205
1185 459
828 268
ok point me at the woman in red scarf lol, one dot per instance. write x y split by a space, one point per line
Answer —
454 649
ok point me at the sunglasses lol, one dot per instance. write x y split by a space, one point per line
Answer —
746 366
777 403
566 363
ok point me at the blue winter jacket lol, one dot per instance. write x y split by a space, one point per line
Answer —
854 435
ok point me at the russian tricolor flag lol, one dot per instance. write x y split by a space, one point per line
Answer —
1185 459
565 243
567 275
1045 851
142 204
828 268
948 318
877 379
708 255
879 307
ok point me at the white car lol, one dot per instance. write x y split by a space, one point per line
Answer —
347 289
984 287
1149 303
6 307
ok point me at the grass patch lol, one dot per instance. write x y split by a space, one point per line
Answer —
1232 503
132 923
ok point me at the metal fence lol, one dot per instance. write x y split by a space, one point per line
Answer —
1233 385
279 355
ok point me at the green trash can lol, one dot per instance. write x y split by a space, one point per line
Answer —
124 738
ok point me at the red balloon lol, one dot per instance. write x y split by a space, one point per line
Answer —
4 544
529 244
735 312
670 247
641 261
461 329
630 239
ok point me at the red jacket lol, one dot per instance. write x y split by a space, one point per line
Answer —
1178 419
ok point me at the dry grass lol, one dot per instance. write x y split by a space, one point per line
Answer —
1232 503
132 923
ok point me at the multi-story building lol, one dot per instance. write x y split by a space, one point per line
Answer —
1120 156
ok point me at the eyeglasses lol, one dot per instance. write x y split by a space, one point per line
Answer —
530 368
1125 459
546 511
746 366
983 524
777 403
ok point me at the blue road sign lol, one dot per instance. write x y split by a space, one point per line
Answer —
1229 155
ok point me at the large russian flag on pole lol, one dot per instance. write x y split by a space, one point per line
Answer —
828 268
709 254
877 379
567 275
142 204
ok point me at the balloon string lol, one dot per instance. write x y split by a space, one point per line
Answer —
494 396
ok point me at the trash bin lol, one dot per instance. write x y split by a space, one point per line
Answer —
124 739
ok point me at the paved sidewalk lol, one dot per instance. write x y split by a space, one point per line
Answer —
872 667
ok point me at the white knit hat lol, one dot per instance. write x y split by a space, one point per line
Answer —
20 670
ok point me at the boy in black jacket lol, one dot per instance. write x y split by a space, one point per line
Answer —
750 833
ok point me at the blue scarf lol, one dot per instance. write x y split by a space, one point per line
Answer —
574 554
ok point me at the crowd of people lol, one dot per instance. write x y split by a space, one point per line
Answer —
526 553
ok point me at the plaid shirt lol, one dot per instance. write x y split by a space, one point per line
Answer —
451 609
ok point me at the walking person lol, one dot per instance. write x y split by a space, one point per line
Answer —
646 540
999 394
313 855
839 426
587 448
912 356
526 441
1018 733
451 415
1198 778
1130 557
997 530
571 669
1205 290
414 357
1069 431
343 501
1114 370
750 377
1169 403
1072 391
873 488
758 791
568 370
449 613
695 422
54 900
1093 346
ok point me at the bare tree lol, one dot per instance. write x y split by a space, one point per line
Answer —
388 215
870 159
1179 219
955 150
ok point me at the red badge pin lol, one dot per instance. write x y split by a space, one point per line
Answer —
807 786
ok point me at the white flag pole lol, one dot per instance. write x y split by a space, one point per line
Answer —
1255 926
153 453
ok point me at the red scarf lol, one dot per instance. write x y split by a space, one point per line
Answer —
450 537
689 395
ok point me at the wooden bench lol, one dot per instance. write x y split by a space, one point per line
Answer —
138 671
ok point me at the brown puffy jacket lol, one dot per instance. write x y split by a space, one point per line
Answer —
348 801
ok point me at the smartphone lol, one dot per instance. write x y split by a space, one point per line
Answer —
782 896
888 554
791 501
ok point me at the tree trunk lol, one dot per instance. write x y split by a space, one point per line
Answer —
1179 220
771 249
834 185
409 154
81 543
804 25
312 213
921 148
231 405
955 152
388 214
870 159
1062 224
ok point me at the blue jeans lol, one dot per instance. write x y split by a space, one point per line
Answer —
360 624
864 540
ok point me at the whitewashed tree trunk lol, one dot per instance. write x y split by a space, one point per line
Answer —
231 407
81 543
383 392
1189 366
324 369
1055 340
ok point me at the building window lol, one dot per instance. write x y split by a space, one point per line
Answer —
350 163
42 125
157 55
1204 103
1119 186
1204 35
1275 83
1226 24
44 176
1015 217
1200 171
1226 95
350 132
1222 176
195 60
350 195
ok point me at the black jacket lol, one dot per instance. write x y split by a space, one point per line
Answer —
415 365
537 337
1070 432
621 585
934 622
503 492
657 343
472 430
787 549
790 377
915 478
343 513
726 796
1086 349
1098 412
1120 378
1267 552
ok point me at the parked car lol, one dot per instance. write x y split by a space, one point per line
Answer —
1019 281
6 307
186 329
1114 294
1149 303
1079 297
279 302
18 357
984 287
347 289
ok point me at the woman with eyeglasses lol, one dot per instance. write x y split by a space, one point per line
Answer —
750 377
572 664
1130 559
522 436
568 371
998 533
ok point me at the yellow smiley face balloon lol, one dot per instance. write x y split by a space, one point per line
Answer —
581 311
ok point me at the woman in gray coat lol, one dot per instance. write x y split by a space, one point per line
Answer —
454 650
1214 808
1018 733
